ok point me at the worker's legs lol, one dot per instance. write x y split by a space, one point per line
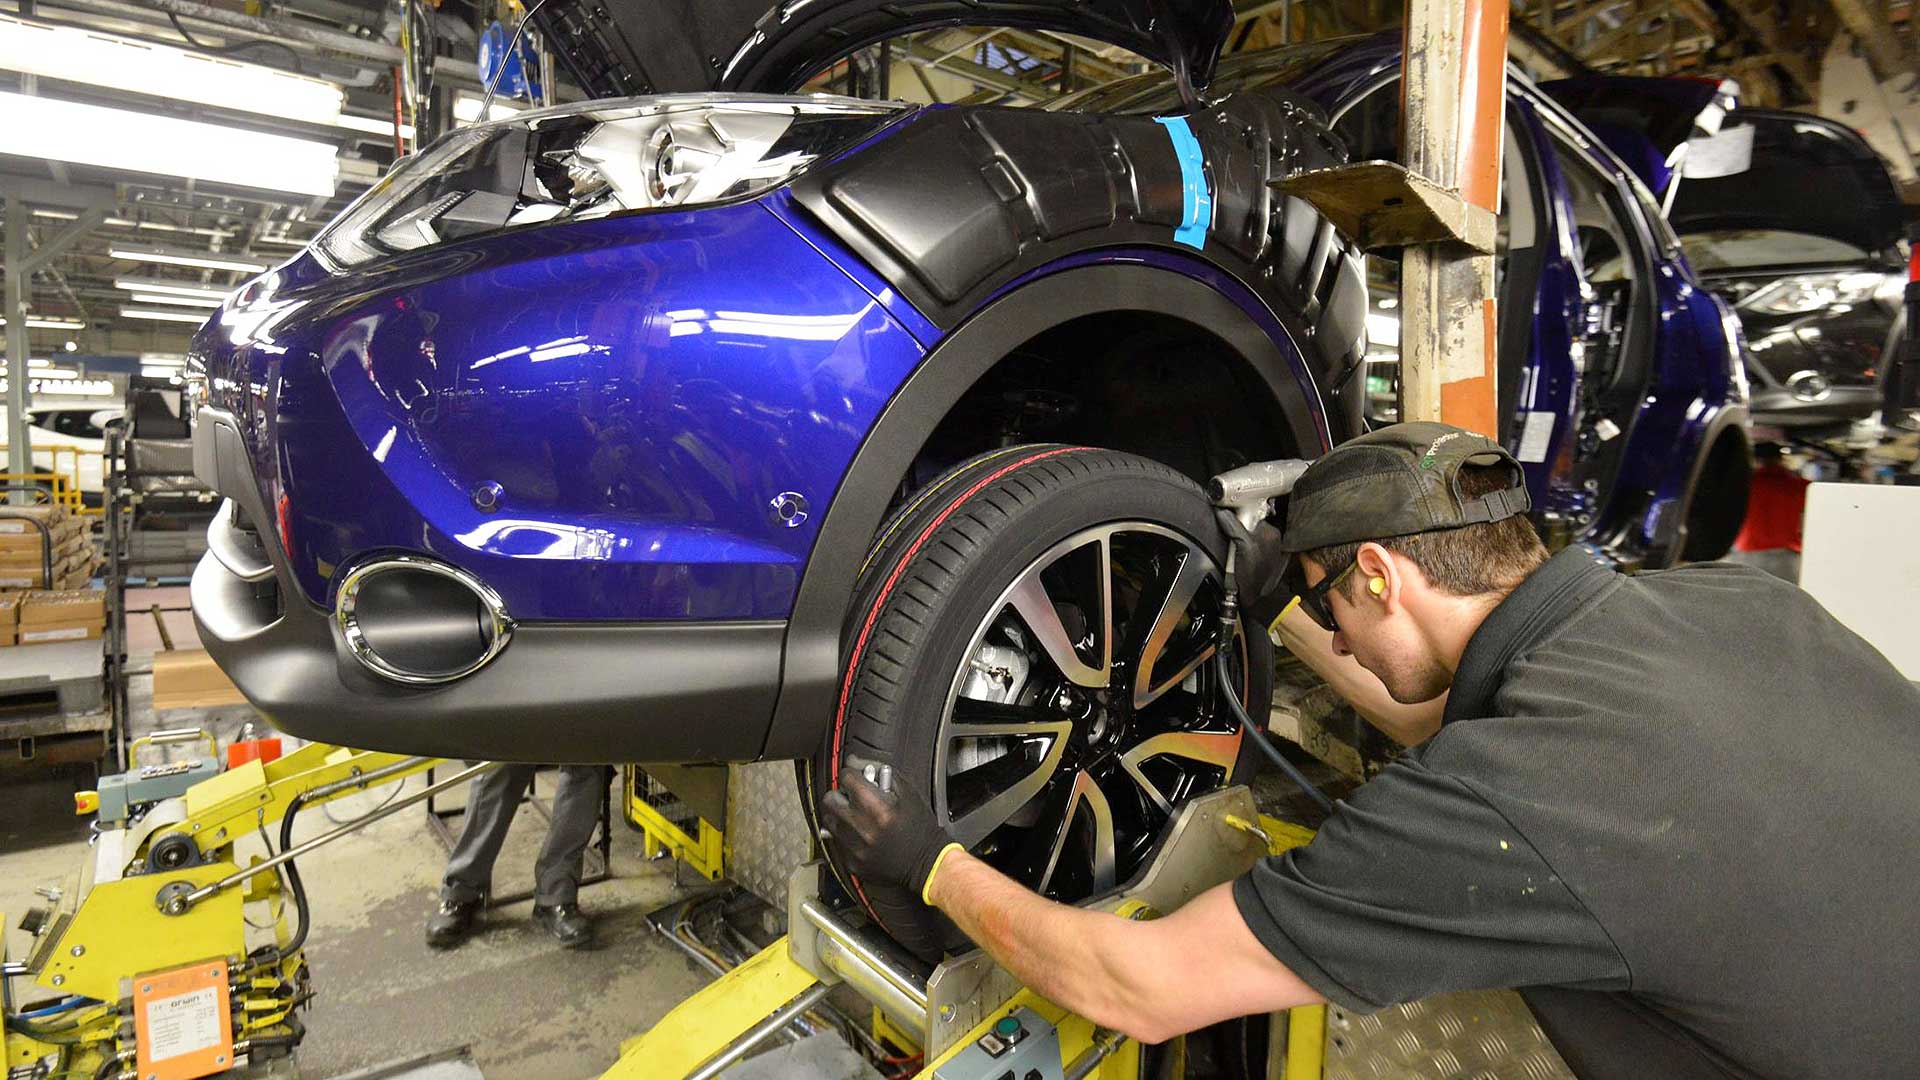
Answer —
576 810
492 801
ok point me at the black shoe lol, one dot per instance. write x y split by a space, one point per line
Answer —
450 925
566 922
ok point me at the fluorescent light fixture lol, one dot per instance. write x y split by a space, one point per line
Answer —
162 359
128 223
183 301
96 59
282 241
39 127
173 288
173 257
159 372
163 316
51 324
66 388
374 125
466 109
55 373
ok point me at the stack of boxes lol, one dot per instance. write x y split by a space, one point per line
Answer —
23 553
38 608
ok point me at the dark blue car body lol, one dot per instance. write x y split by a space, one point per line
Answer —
666 439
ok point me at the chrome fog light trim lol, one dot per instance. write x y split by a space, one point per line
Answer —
494 625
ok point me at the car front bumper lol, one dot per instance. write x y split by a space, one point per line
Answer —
559 692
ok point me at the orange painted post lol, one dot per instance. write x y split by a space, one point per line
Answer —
1453 104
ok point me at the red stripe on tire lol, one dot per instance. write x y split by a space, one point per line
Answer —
873 616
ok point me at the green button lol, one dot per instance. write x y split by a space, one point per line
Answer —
1006 1027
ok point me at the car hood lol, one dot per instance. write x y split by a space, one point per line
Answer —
1688 140
1808 175
665 46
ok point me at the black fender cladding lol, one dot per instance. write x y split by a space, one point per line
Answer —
963 200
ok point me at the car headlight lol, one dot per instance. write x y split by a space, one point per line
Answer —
577 162
1805 293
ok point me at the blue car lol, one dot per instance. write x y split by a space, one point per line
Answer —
725 425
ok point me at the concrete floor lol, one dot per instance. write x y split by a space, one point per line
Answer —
527 1008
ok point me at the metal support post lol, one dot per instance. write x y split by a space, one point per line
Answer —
19 448
1453 105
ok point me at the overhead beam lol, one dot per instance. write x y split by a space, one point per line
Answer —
1759 24
1868 25
68 236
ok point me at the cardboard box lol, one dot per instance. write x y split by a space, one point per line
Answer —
70 573
10 517
48 632
28 559
9 610
27 542
64 606
189 679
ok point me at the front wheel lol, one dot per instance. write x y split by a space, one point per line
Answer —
1031 650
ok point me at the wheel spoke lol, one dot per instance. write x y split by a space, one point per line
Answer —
1100 820
1029 598
1185 586
975 825
1203 747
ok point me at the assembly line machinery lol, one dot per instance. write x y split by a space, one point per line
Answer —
160 974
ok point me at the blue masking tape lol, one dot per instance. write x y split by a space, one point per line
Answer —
1196 214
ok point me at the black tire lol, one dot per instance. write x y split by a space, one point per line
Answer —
934 596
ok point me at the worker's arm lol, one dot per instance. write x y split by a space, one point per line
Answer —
1408 725
1149 980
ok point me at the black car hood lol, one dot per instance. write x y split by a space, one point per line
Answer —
1809 175
616 48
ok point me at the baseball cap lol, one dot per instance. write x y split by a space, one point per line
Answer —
1397 481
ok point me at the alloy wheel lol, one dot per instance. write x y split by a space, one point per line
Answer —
1087 709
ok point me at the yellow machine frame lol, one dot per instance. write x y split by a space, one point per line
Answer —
115 922
708 1023
704 850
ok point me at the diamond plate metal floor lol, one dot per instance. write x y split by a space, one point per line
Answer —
1482 1035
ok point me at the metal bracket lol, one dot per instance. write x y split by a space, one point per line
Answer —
1383 205
1201 849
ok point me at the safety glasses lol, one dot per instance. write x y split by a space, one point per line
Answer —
1313 598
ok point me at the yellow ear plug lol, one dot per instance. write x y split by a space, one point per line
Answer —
1376 586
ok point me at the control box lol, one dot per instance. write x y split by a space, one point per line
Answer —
1018 1046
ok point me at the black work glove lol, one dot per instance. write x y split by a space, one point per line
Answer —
1259 569
885 835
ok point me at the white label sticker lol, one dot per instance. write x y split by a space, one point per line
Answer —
1729 152
65 633
1535 436
183 1023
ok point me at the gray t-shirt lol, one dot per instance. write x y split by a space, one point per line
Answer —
1680 812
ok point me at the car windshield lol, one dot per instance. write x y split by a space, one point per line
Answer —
1154 93
1739 249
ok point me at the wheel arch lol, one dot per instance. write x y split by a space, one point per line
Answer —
810 671
1729 429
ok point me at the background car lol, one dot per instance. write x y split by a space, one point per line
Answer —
76 425
1806 245
733 426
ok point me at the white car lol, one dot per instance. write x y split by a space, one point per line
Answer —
80 425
